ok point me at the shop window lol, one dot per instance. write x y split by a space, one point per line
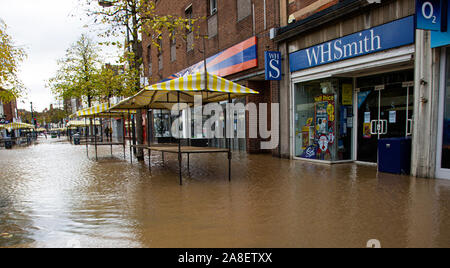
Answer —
188 14
212 26
244 9
149 60
446 127
162 123
173 48
324 120
160 53
212 7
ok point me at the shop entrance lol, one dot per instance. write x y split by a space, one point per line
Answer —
385 110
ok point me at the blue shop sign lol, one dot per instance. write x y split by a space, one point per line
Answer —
431 15
441 38
387 36
273 65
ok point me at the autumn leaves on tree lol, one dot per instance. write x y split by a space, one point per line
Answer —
11 87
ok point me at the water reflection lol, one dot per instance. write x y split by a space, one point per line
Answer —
52 195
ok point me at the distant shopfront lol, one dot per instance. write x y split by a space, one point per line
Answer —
350 92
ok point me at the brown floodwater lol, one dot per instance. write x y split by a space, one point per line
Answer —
51 195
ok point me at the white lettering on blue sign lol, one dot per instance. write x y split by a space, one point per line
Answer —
387 36
273 65
430 15
334 51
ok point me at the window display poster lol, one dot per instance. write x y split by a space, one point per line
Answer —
367 117
305 138
392 117
322 118
350 122
347 94
367 134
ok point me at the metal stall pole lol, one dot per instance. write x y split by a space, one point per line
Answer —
86 135
95 139
188 162
180 158
129 133
230 154
110 134
149 140
123 138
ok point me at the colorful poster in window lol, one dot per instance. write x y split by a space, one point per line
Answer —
310 152
347 94
322 118
367 131
330 112
323 145
305 137
325 114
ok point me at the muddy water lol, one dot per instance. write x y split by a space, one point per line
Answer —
51 195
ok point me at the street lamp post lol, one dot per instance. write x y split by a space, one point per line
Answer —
32 115
33 122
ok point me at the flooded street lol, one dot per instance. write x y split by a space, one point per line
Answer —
51 195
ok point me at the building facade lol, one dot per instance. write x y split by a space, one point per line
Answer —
8 112
358 72
236 35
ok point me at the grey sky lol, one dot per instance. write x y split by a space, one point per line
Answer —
46 29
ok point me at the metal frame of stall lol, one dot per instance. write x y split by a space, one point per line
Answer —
101 111
17 126
153 104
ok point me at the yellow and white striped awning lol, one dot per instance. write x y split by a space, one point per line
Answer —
101 111
82 123
91 111
15 125
164 95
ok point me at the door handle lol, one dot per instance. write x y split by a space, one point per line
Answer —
374 130
384 129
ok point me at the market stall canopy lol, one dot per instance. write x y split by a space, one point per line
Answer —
81 123
15 126
57 129
164 95
100 111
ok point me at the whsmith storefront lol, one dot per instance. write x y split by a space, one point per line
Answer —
350 81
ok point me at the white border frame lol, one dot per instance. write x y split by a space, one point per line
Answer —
441 173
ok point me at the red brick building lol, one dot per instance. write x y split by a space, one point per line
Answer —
238 35
8 111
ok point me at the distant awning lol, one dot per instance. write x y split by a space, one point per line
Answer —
101 111
82 123
164 95
15 126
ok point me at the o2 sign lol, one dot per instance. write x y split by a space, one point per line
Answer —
273 65
431 15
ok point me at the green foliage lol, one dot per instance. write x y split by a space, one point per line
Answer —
48 116
76 72
135 18
10 58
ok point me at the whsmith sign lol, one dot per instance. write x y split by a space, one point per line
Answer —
273 65
391 35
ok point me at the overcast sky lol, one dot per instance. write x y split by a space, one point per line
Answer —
45 28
